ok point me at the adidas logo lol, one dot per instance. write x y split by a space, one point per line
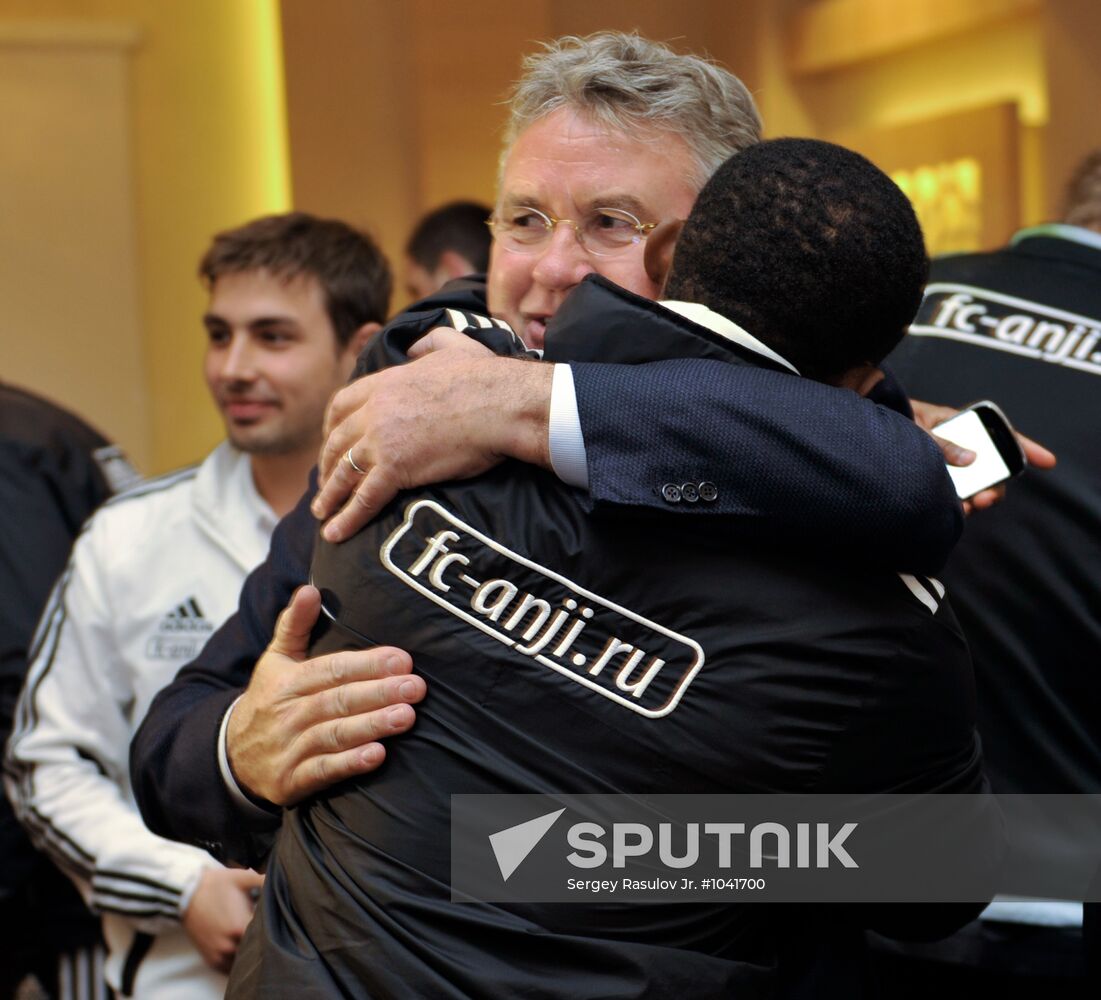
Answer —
186 617
180 634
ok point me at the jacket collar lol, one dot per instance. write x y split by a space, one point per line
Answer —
228 507
701 315
1057 239
601 322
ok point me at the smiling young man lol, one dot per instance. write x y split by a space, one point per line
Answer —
274 359
292 301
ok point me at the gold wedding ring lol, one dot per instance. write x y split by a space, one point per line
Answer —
352 462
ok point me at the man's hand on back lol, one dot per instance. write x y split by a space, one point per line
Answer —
305 724
451 414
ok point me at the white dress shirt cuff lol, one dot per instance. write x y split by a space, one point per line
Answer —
567 445
243 801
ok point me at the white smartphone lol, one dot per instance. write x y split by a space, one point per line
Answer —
985 430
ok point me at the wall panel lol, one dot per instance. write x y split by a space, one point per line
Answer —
68 244
206 150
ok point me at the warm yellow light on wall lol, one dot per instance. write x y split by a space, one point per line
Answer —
269 96
951 74
947 198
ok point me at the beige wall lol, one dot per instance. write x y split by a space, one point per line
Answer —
350 112
70 327
207 150
394 108
835 68
1072 37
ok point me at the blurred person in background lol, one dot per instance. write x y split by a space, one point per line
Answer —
449 242
54 471
1022 326
292 300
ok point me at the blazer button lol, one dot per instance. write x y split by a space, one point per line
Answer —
708 492
671 493
690 492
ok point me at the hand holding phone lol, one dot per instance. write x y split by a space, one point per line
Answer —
985 430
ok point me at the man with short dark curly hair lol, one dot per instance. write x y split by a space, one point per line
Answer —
780 241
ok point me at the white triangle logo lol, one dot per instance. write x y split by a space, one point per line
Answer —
511 846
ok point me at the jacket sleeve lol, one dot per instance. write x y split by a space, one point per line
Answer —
174 766
806 462
66 765
45 494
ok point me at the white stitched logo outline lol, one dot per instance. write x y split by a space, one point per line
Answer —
1010 324
532 648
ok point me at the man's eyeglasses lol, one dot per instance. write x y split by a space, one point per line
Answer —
604 232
